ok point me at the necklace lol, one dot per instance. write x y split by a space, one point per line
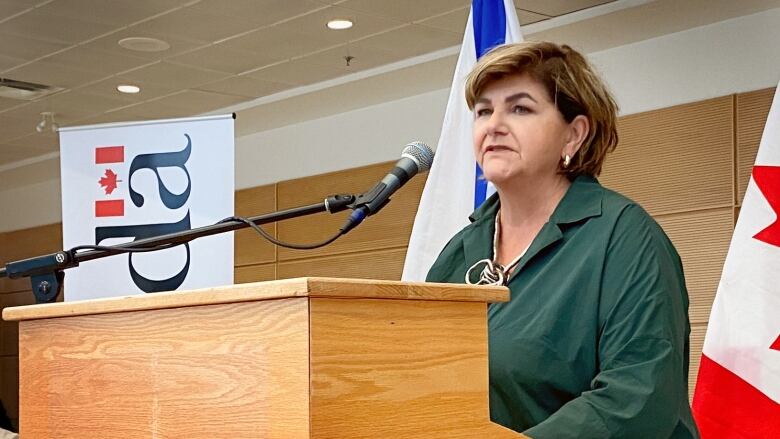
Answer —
494 273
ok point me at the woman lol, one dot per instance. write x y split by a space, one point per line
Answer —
594 342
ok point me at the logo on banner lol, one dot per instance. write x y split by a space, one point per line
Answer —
110 160
109 155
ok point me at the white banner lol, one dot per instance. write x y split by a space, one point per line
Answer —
128 181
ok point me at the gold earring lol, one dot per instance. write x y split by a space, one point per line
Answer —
566 161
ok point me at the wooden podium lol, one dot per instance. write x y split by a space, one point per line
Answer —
297 358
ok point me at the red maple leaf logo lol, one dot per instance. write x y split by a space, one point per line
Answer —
109 181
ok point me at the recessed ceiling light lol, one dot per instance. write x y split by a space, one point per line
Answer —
339 24
126 88
144 44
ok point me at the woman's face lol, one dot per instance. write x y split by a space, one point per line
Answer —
518 132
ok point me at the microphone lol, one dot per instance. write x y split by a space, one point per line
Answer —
416 158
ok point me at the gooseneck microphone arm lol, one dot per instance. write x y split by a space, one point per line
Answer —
46 271
47 274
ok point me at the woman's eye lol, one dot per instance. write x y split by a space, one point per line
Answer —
520 109
483 112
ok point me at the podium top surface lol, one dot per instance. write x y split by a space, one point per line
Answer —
279 289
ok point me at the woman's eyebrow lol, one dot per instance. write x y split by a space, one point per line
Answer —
518 96
510 98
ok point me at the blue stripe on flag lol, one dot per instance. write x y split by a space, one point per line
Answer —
489 21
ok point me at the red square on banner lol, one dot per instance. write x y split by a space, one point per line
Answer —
110 208
109 154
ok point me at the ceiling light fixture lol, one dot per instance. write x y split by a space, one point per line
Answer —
47 123
127 88
339 24
144 44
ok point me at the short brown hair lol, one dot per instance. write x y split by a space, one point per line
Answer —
571 84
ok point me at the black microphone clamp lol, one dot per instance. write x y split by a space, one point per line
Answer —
416 158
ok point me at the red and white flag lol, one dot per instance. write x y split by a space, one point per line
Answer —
109 157
738 388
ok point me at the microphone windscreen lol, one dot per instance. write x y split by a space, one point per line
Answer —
421 153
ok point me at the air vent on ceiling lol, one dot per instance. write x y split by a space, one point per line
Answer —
25 91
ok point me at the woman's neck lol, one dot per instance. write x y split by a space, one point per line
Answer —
531 203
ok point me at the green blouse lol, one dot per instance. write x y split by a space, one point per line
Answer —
594 342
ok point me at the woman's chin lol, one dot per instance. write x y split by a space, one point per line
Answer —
498 176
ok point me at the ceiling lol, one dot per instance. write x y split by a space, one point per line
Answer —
222 53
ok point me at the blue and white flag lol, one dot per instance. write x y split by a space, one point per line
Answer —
455 186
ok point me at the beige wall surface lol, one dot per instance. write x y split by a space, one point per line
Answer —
688 165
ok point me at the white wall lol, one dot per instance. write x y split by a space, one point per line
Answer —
369 135
727 57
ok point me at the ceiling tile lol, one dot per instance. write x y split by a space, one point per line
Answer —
308 34
412 40
364 57
404 10
195 102
110 43
110 12
7 62
174 75
245 85
454 21
103 62
6 103
314 25
14 127
196 26
27 48
554 8
107 89
54 74
219 57
12 7
146 111
528 17
299 72
276 43
259 12
73 105
39 25
64 112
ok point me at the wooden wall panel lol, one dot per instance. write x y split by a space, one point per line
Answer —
389 229
249 247
752 110
21 244
381 264
702 239
254 273
677 158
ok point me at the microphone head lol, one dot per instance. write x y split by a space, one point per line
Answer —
420 153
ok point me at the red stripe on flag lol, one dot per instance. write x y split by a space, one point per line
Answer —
109 154
726 406
110 208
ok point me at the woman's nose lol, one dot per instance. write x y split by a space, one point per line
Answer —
496 123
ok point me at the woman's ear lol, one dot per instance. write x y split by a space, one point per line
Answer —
579 128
